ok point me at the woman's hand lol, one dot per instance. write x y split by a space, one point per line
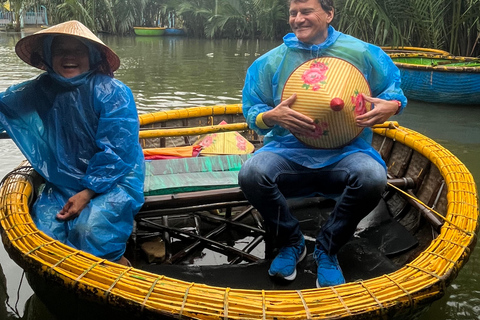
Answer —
382 111
75 205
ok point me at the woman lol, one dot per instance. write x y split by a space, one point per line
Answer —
78 127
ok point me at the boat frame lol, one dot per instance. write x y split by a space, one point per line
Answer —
400 294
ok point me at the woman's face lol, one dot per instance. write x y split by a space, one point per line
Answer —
69 56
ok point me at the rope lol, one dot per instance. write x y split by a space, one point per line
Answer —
442 257
29 234
264 311
410 299
109 290
63 259
225 304
429 208
16 224
36 248
442 282
150 291
374 298
433 274
307 311
184 300
89 269
341 300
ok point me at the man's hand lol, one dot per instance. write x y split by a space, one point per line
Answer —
294 121
75 205
383 110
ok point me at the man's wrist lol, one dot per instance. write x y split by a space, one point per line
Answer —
260 123
399 104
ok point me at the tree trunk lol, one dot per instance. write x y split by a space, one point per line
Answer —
17 26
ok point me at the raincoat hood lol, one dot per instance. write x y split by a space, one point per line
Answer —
291 41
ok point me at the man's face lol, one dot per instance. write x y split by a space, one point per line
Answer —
309 21
69 56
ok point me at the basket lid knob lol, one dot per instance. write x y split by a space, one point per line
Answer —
337 104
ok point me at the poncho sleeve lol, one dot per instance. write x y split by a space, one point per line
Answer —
116 137
385 78
257 94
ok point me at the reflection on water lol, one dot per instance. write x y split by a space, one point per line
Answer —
171 72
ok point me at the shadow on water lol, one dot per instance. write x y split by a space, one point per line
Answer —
34 308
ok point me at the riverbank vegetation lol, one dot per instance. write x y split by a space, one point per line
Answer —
451 25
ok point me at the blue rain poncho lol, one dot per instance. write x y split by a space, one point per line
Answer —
267 76
80 133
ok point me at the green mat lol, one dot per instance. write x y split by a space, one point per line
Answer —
192 174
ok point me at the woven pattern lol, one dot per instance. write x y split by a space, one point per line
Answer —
33 43
329 91
398 294
439 79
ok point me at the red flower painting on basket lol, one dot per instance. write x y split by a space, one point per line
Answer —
241 143
321 129
208 140
359 104
315 76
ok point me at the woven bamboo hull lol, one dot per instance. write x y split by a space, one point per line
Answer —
175 32
408 50
149 31
103 288
439 78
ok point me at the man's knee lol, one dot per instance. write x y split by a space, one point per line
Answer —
371 179
251 174
374 183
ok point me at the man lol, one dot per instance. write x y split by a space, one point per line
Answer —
284 167
78 127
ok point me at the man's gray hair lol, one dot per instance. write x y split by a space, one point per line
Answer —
327 5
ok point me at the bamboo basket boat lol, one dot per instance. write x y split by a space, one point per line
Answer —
439 78
402 49
149 31
441 208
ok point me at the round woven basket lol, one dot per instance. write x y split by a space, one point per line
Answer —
329 90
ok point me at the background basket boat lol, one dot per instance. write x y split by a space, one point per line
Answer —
439 78
149 31
402 49
431 196
175 32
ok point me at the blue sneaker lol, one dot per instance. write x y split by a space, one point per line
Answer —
285 263
329 272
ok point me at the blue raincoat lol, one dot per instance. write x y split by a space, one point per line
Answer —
267 76
80 133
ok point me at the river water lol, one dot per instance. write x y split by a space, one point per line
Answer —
178 72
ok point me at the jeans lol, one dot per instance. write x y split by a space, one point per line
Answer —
356 182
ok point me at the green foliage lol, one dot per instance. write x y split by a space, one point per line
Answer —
451 25
272 18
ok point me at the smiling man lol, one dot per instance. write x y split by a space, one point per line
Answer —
354 174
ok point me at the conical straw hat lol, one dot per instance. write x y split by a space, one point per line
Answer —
329 91
224 143
34 43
